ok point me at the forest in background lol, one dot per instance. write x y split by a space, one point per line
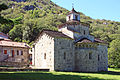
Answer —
24 20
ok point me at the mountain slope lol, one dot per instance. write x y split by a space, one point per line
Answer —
31 16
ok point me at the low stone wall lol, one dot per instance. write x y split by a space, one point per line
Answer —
13 64
5 69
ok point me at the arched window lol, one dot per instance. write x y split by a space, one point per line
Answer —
98 57
44 55
84 32
69 17
90 55
64 55
76 17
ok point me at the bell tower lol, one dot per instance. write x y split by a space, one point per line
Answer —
73 16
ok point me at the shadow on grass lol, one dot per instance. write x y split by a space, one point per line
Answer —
43 76
104 72
110 73
116 68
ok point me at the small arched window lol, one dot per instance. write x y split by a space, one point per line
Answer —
44 55
84 32
69 17
76 17
64 55
98 57
90 55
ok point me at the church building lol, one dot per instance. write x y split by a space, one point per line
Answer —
71 48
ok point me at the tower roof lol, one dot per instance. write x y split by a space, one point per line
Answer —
72 11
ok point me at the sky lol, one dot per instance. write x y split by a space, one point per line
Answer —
96 9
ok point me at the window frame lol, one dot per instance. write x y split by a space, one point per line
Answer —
21 52
5 51
17 52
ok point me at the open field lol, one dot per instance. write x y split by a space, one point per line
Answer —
113 74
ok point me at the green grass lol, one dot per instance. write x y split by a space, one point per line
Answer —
113 74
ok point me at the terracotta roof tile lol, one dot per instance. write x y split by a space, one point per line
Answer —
72 11
55 33
99 41
10 43
84 40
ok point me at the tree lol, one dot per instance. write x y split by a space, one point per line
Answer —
114 53
16 33
2 19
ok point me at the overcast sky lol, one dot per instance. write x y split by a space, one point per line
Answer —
96 9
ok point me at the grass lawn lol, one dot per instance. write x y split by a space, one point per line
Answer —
113 74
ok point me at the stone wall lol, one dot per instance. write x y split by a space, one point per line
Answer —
14 64
76 31
2 56
63 54
86 58
44 52
103 58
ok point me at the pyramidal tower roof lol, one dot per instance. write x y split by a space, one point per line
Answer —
72 11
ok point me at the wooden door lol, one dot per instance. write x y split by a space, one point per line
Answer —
13 53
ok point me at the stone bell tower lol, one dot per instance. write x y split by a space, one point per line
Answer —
73 16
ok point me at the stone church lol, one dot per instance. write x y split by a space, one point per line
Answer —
71 48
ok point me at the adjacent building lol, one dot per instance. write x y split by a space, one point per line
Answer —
71 48
13 53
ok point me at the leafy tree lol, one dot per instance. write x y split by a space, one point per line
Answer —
16 33
2 20
114 53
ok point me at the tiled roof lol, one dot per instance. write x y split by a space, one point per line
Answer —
9 43
99 41
73 23
53 34
84 40
72 11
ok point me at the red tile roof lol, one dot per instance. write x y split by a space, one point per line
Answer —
53 34
84 40
73 23
9 43
99 41
72 11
